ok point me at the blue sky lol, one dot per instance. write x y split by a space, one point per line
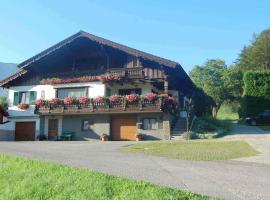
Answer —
188 32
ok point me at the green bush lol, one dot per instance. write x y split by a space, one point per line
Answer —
189 135
256 97
207 127
3 102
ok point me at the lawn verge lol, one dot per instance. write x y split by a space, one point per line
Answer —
21 178
194 150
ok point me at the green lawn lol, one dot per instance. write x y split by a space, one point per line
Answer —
27 179
228 111
194 150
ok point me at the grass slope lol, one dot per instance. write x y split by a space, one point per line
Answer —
27 179
194 150
228 111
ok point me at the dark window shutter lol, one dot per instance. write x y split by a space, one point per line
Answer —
33 96
16 98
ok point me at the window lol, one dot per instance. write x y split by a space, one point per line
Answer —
130 91
42 96
24 97
71 92
150 124
86 124
28 97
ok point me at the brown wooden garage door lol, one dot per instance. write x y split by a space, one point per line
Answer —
123 127
25 131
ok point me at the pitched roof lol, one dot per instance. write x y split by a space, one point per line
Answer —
103 41
128 50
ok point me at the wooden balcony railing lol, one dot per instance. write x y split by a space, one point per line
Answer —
127 72
94 107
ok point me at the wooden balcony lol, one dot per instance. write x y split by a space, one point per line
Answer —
95 108
122 73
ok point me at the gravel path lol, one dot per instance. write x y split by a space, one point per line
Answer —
224 179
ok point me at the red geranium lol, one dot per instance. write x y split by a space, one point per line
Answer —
84 100
115 98
23 106
69 100
55 101
40 102
99 99
132 98
151 96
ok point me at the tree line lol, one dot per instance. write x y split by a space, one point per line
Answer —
225 83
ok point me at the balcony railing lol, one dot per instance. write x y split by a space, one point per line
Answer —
127 72
94 107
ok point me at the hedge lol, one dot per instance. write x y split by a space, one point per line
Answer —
256 96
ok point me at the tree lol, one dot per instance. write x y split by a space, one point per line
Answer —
210 78
3 103
233 81
257 54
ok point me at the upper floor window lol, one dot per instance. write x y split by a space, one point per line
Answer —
71 92
130 91
27 97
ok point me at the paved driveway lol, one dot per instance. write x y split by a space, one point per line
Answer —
225 179
256 137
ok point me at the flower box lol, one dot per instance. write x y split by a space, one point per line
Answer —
57 109
71 108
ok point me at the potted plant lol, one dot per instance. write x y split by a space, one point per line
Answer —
132 98
139 137
70 104
56 104
150 97
42 105
104 137
115 98
85 105
23 106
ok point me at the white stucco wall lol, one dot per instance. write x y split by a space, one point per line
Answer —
17 115
95 89
3 92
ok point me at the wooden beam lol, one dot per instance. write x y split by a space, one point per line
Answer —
166 85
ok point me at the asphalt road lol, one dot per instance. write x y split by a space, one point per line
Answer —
224 179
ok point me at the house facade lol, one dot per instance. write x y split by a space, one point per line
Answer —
87 86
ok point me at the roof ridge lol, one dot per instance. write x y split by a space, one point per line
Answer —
125 48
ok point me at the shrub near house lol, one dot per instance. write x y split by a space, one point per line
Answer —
256 96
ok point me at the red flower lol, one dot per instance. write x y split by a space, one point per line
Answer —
55 101
69 100
115 98
40 102
23 106
151 96
84 100
132 98
99 99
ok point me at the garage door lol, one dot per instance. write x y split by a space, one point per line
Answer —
123 128
25 131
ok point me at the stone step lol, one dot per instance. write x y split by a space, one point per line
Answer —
179 126
177 132
176 137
